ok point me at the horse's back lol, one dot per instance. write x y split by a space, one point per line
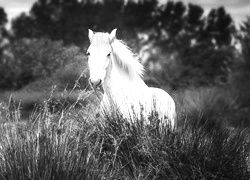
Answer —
163 104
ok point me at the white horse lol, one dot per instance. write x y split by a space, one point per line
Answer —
113 65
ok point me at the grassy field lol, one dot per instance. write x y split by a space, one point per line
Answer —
75 144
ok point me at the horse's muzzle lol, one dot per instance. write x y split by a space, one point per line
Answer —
95 83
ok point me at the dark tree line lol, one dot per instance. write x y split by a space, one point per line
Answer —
69 20
202 45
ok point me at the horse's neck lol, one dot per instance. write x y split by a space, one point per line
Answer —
118 84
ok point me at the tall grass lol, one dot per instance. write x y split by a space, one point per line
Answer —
68 145
211 105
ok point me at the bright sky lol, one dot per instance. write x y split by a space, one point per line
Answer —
239 9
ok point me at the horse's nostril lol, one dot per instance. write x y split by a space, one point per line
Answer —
99 83
90 81
95 83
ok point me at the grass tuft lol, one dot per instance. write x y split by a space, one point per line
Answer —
70 145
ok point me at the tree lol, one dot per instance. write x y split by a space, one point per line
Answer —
198 47
3 17
34 59
219 28
24 26
3 21
195 43
3 36
171 19
139 16
70 20
244 39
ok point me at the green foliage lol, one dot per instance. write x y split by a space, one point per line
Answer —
71 146
34 59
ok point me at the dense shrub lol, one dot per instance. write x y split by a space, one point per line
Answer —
221 105
33 59
72 73
241 73
191 66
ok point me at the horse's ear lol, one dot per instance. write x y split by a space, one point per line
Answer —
91 35
112 36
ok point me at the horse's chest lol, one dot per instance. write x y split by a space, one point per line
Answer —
130 97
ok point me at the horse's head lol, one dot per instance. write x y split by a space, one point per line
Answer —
99 56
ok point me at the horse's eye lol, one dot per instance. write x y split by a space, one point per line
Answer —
108 54
87 53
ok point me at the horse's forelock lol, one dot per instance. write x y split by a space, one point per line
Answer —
100 39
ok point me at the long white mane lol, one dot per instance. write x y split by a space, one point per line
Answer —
127 60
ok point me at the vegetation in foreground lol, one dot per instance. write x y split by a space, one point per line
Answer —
70 145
